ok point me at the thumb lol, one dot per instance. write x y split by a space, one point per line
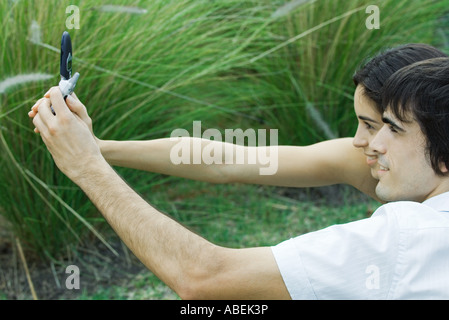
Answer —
76 106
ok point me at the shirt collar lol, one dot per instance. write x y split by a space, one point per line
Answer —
439 202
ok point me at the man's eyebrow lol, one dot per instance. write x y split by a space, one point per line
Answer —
367 119
392 123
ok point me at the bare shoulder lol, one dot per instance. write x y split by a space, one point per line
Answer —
329 162
352 167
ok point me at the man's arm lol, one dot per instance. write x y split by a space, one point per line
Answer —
192 266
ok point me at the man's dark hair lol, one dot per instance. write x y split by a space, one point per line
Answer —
421 92
374 73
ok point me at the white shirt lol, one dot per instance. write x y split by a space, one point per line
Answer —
400 252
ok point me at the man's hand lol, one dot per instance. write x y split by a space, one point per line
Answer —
66 135
74 104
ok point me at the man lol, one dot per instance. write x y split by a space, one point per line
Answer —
402 251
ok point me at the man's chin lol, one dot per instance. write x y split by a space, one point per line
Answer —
384 194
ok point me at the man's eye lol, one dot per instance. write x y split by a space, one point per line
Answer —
368 126
393 129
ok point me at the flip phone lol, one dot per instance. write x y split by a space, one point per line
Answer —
67 83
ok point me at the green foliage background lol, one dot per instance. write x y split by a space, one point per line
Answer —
231 64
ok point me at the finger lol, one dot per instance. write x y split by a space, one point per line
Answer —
34 108
75 96
58 103
44 111
47 94
39 124
77 107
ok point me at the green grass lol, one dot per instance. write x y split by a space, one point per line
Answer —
243 215
239 216
228 63
234 216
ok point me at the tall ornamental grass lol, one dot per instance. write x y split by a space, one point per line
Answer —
308 73
149 67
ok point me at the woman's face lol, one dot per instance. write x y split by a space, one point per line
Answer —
369 123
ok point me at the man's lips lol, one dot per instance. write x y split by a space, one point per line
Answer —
382 170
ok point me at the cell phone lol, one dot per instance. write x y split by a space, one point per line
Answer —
67 83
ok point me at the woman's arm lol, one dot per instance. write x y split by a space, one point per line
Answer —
325 163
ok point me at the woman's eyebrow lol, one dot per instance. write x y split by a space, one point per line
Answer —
367 119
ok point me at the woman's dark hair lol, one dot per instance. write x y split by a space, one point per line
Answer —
374 73
420 92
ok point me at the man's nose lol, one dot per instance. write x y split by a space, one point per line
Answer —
378 144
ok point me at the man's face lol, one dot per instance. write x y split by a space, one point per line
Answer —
404 171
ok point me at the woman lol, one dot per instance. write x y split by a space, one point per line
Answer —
345 160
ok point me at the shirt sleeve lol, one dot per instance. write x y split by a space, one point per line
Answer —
348 261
